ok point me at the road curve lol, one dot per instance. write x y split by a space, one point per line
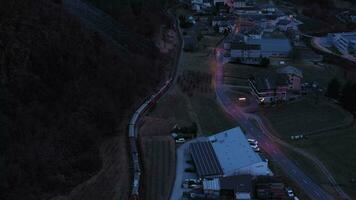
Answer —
313 190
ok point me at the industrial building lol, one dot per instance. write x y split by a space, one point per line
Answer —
344 42
227 154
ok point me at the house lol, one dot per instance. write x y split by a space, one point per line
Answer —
282 85
267 8
344 42
286 23
243 3
295 77
269 88
218 20
199 5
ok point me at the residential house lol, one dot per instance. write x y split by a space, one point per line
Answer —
268 8
269 88
295 77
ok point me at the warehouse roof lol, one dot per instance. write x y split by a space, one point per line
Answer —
233 150
205 159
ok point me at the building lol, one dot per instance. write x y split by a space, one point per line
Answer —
199 5
227 154
246 53
270 88
268 187
243 3
295 77
282 85
273 47
233 187
344 42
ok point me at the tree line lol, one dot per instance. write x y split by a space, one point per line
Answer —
344 93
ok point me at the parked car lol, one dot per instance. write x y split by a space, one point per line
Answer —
257 149
180 140
254 146
289 192
252 141
296 198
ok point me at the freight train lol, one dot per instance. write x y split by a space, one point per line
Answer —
132 129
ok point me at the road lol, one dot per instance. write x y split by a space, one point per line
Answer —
313 190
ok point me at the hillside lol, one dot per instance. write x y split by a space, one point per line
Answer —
64 91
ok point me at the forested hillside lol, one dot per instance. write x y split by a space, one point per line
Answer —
142 16
63 90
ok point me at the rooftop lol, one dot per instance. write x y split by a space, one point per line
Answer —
205 159
272 44
240 183
233 150
270 81
291 70
244 46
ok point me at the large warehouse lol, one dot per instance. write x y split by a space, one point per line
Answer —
227 154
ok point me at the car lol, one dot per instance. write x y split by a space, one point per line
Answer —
180 140
252 141
296 198
191 181
289 192
254 146
257 149
195 186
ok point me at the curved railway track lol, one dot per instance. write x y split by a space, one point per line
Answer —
149 103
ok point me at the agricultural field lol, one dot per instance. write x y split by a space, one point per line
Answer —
336 149
192 99
303 116
159 163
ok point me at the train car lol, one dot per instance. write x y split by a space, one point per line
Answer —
149 103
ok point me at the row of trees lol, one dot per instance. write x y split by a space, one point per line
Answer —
345 94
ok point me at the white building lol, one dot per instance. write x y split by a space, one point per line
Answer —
344 42
227 154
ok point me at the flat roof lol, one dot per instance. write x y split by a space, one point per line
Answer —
239 183
205 159
233 151
272 44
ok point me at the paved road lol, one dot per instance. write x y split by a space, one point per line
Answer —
313 190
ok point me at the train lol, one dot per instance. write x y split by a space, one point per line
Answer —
148 104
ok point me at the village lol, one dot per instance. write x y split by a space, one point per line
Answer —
266 64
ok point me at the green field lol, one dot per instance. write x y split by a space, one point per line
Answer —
336 149
304 116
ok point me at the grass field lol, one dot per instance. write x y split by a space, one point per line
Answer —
336 149
242 71
159 161
304 116
184 108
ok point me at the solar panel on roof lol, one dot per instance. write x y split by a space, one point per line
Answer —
205 160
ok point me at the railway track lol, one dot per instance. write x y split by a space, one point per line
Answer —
149 103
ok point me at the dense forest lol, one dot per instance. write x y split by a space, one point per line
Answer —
63 89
